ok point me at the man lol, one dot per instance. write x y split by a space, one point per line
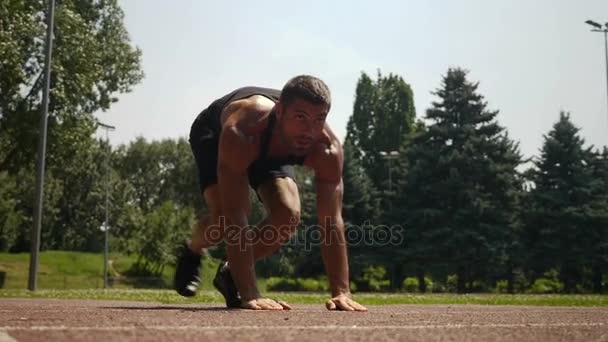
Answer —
254 136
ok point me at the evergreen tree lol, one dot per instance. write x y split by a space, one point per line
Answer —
598 251
460 192
560 212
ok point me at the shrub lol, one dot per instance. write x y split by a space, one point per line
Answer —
298 284
501 286
438 287
411 284
452 283
373 280
544 285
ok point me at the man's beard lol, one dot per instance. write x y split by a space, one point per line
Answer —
299 149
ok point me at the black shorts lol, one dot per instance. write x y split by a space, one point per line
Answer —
204 141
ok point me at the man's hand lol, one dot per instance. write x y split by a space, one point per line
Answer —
345 303
264 304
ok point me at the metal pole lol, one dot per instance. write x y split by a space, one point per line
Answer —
35 243
107 214
606 50
390 183
105 247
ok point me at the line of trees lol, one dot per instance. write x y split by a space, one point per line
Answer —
474 214
471 211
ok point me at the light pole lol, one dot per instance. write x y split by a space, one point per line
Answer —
35 243
597 27
390 156
106 224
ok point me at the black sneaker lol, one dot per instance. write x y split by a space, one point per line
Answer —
224 283
187 270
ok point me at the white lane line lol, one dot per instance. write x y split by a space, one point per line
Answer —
300 327
5 337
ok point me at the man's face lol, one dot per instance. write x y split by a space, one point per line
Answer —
301 124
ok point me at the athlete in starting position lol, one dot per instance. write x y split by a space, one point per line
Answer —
253 136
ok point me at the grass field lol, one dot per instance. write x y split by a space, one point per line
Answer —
168 296
73 275
76 270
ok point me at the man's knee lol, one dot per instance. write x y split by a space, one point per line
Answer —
287 215
282 201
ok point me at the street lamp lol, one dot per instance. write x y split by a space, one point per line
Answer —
35 243
106 225
597 27
390 156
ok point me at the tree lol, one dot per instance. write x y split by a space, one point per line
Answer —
159 171
460 189
162 230
598 250
383 114
360 204
10 217
93 61
559 217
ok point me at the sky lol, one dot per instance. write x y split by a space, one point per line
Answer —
532 59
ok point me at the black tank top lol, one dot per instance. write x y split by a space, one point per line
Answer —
212 116
243 93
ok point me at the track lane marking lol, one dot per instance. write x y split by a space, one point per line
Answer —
301 327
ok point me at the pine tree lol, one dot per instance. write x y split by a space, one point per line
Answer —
560 211
461 187
598 250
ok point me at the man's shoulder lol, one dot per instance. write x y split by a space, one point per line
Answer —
326 157
236 148
246 113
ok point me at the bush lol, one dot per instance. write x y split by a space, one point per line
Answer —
501 286
479 286
438 287
411 284
307 284
452 283
298 284
544 285
373 280
380 286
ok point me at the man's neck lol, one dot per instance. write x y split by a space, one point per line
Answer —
277 147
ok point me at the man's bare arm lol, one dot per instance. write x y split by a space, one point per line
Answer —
234 193
333 246
234 160
329 188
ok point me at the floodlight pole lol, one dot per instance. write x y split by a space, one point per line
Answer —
106 230
35 242
598 28
390 156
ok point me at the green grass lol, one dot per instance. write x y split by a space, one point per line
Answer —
74 275
78 270
170 297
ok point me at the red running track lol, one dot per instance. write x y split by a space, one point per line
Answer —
78 320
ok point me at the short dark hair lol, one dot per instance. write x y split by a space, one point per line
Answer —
308 88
